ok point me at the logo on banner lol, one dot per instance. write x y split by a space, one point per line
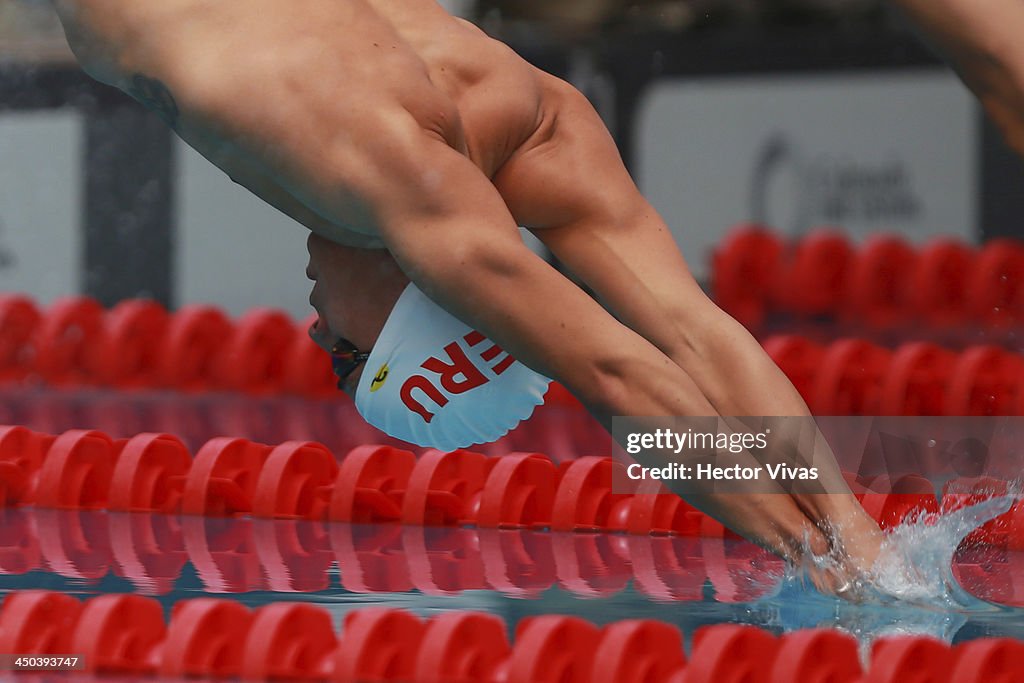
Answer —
792 188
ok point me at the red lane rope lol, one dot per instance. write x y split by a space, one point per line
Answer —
127 634
233 477
138 344
857 377
883 284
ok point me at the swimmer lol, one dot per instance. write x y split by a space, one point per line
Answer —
412 145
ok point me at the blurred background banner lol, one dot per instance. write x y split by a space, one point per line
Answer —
40 199
892 152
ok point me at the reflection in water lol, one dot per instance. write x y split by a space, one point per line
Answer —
512 572
559 431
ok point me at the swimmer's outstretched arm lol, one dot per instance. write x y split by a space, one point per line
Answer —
574 190
983 39
456 239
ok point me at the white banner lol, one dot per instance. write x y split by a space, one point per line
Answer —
41 204
232 249
892 152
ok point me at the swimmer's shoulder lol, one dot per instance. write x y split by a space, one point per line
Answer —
497 94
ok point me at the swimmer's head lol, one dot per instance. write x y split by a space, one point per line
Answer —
353 294
434 381
420 374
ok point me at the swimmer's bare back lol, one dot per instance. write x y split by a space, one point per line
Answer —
253 88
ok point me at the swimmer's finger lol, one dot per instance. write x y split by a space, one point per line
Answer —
829 571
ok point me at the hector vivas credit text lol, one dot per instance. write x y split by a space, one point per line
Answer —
694 442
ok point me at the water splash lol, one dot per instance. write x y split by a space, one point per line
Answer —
915 561
911 590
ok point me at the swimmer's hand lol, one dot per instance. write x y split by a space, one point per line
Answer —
829 536
843 561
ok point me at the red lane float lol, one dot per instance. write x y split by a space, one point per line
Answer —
76 472
727 652
68 341
195 336
814 275
915 380
202 639
133 334
379 645
519 492
552 649
745 270
584 500
876 289
849 379
150 474
252 359
990 660
371 485
223 477
21 456
816 655
461 647
19 321
921 658
938 283
984 380
883 283
995 288
799 358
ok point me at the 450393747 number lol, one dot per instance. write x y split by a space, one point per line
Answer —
18 662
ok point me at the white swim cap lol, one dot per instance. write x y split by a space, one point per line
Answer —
433 381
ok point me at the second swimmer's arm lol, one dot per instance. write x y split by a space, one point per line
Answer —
573 187
983 38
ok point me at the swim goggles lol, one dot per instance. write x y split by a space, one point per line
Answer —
345 358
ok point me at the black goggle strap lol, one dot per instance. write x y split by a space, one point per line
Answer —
346 360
